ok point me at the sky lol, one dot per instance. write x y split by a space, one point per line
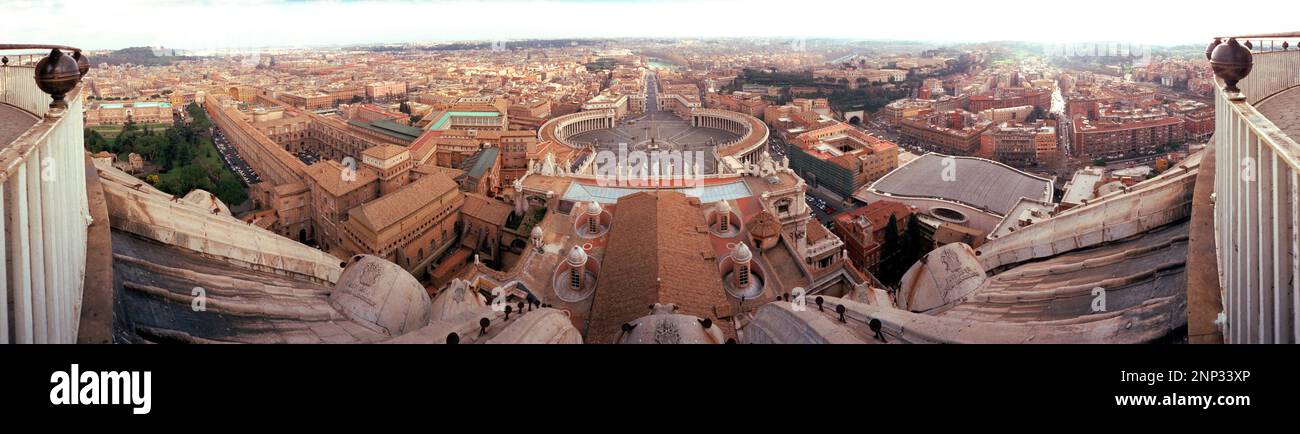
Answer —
201 25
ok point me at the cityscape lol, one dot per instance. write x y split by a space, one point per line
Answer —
569 188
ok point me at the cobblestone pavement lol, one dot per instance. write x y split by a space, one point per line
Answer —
1284 110
13 123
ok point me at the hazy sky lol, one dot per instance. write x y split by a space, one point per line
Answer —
258 23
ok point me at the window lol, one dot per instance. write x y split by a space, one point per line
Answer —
742 277
575 279
783 206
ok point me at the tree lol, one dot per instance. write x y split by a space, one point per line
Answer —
891 233
230 190
198 118
1035 115
95 142
1161 165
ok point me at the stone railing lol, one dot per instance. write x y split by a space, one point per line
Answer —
1256 191
43 185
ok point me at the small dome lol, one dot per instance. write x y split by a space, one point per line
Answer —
764 225
577 256
207 200
723 206
593 207
537 231
458 303
741 253
665 327
543 326
382 296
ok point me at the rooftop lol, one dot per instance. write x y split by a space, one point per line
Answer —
486 209
390 128
446 116
328 175
13 123
977 182
706 194
476 165
392 208
657 253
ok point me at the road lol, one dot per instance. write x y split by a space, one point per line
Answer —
651 92
231 156
824 204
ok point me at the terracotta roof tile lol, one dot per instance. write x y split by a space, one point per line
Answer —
484 208
328 175
392 208
655 255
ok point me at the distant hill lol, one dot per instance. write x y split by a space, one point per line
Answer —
145 56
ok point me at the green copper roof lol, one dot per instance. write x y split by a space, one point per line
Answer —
447 116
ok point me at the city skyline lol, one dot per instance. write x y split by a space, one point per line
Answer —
260 24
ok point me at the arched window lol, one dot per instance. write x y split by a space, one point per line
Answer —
783 206
575 279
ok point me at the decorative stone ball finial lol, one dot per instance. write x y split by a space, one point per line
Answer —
1210 49
83 63
57 74
1231 63
4 60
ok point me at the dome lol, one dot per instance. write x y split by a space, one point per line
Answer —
783 323
741 253
381 296
664 327
577 256
458 303
537 231
593 208
543 326
764 225
723 206
943 276
206 200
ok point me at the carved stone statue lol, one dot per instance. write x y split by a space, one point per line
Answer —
548 165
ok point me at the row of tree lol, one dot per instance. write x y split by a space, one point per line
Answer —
900 250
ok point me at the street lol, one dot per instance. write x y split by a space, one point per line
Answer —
231 156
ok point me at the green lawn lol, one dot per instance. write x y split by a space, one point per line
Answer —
110 132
